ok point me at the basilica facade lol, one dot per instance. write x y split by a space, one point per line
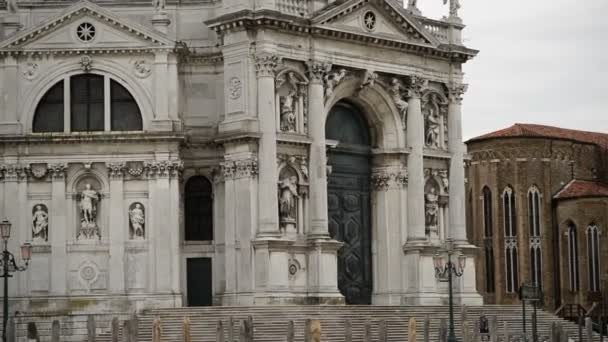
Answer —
235 152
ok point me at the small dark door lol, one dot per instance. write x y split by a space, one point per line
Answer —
348 200
199 281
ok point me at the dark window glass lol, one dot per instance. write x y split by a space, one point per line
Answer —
199 209
573 258
535 266
87 102
509 254
125 113
490 287
593 257
537 213
487 212
49 113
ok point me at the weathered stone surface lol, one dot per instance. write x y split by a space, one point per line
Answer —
411 329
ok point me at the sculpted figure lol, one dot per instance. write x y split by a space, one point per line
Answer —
412 3
88 204
288 117
431 207
138 220
11 6
432 129
332 80
159 5
454 7
289 193
40 221
369 79
395 90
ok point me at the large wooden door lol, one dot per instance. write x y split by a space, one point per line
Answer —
199 281
349 202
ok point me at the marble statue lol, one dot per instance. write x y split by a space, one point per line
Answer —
369 79
432 123
412 3
159 5
431 207
454 7
288 117
332 80
11 6
89 200
395 90
40 221
137 219
288 200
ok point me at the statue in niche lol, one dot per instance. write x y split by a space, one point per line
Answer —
288 116
288 199
89 200
454 7
432 123
396 89
137 222
40 223
431 209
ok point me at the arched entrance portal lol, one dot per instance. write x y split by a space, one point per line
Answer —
349 200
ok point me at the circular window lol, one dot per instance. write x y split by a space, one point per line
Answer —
85 32
369 21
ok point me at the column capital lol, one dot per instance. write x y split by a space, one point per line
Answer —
243 168
316 70
58 170
116 171
14 172
455 92
417 85
266 64
384 178
163 168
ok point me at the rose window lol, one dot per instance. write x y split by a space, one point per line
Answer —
369 21
85 32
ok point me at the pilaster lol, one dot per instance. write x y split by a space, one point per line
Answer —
9 90
161 121
58 236
117 228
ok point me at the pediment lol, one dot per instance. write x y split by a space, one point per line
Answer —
64 32
383 19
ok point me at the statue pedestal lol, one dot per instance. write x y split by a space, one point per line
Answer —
161 22
11 24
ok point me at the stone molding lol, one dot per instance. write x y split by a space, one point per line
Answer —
385 178
266 65
235 169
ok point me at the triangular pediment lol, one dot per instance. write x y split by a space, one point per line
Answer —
65 32
382 19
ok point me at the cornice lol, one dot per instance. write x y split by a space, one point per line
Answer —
101 137
247 19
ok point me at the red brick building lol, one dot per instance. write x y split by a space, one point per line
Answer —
538 211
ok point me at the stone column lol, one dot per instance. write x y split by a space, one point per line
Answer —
318 155
415 163
161 120
9 77
267 154
58 229
118 228
388 183
457 220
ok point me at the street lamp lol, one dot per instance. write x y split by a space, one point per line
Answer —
444 269
9 265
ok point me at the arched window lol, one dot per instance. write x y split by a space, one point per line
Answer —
93 103
593 251
573 258
198 209
535 237
488 234
510 227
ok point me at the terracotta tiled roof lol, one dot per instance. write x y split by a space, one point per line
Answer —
581 188
520 130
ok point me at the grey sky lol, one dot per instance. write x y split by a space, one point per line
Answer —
541 61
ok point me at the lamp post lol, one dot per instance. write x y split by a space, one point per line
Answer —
9 265
444 270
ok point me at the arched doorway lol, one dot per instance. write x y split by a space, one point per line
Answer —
349 200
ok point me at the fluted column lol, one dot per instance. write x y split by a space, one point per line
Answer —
117 227
457 229
267 155
318 155
415 164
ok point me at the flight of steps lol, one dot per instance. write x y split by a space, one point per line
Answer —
270 322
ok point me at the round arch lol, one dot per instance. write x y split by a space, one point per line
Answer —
378 109
113 70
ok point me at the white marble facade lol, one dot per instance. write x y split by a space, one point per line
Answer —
236 91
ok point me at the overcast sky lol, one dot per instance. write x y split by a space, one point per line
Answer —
540 61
